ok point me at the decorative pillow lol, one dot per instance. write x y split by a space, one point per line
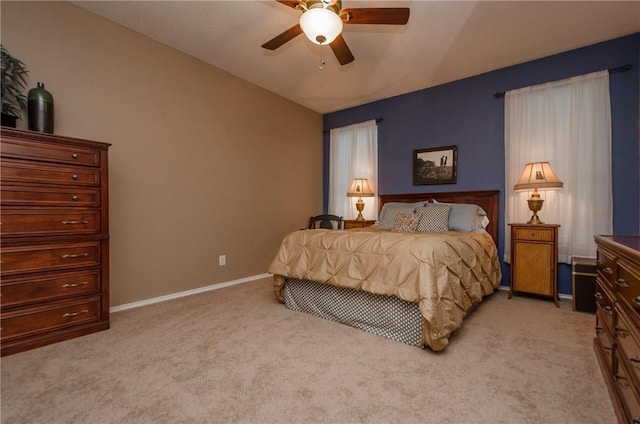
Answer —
465 217
388 217
406 223
398 205
434 219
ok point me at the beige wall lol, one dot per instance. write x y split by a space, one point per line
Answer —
201 164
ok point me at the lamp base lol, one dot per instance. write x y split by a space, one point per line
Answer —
535 204
360 208
535 220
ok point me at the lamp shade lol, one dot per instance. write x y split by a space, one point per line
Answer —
538 175
321 25
360 188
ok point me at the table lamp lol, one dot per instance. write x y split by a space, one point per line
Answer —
537 175
360 188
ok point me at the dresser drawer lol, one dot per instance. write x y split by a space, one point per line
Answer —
628 284
533 234
52 316
46 222
627 394
628 340
606 265
23 291
28 195
604 305
13 171
35 151
50 257
605 340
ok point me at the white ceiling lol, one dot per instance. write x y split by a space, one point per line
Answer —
443 41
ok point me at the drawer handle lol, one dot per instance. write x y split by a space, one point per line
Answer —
607 270
620 332
74 155
75 255
636 420
69 285
607 349
74 177
75 197
637 300
608 310
599 330
622 283
635 361
621 380
84 221
74 314
598 296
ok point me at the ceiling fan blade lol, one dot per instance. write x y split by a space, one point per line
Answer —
341 50
279 40
376 15
293 4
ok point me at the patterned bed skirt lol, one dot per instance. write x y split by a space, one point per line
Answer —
382 315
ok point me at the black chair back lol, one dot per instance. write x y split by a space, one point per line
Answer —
331 222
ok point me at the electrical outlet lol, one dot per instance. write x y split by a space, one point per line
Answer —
222 260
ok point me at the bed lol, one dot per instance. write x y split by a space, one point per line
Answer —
407 278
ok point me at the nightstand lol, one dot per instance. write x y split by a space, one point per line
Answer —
534 260
352 223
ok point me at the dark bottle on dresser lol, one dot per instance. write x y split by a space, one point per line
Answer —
40 109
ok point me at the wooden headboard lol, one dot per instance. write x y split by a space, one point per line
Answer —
487 200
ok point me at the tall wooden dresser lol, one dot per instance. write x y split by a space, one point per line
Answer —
55 239
617 341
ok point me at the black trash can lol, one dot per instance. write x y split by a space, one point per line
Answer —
583 280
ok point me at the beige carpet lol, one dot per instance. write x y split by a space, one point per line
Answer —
236 355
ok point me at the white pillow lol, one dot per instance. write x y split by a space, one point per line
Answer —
465 217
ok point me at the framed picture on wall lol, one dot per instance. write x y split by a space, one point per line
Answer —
435 166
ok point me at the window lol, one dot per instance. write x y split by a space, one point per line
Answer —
566 123
353 154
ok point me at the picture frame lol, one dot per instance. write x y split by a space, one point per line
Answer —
436 165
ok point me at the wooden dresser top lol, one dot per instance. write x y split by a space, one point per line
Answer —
627 244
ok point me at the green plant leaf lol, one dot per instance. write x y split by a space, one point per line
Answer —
13 82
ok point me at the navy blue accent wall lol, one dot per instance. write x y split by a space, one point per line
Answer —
465 113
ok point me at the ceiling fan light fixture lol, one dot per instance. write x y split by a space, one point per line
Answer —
321 25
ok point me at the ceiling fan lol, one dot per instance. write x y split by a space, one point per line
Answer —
322 22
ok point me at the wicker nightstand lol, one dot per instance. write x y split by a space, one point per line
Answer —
534 260
352 223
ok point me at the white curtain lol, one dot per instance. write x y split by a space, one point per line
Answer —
353 154
567 123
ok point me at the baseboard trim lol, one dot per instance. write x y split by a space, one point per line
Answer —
560 295
159 299
185 293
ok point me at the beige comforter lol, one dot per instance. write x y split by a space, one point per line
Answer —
446 273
